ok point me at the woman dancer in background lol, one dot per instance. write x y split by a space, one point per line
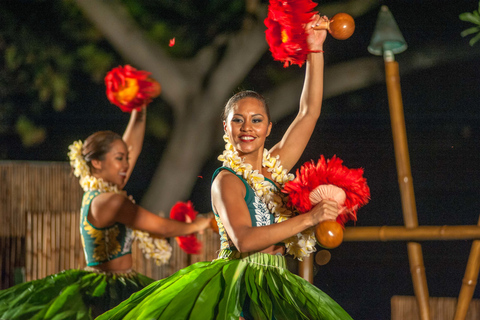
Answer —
103 164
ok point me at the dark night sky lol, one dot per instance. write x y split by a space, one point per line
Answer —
442 117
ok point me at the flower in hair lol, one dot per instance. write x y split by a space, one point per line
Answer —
130 89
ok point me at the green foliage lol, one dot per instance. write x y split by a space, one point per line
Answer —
473 17
48 47
44 45
29 132
158 126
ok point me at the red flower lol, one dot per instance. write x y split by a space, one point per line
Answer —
328 172
285 32
130 89
180 211
171 43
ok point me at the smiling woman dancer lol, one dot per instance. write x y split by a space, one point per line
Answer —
104 164
249 280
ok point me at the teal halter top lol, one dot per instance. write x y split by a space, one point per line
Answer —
259 213
102 244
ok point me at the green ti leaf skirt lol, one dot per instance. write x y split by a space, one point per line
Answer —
258 286
71 294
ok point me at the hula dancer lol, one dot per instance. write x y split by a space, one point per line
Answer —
110 221
249 279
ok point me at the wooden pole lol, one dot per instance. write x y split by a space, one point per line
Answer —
305 268
389 233
469 281
415 255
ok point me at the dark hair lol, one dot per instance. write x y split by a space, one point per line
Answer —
97 145
242 95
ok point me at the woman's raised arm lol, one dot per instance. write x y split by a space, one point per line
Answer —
133 137
295 139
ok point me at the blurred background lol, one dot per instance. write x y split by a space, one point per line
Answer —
56 53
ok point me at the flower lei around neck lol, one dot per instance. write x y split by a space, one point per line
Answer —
158 249
299 245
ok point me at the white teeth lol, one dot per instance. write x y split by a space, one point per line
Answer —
123 173
247 138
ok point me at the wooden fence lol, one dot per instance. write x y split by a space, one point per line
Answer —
35 196
39 226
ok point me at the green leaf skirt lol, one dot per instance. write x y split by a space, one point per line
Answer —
258 286
70 294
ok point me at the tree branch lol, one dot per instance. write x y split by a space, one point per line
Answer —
115 23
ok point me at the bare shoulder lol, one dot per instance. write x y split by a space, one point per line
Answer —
109 199
226 180
105 208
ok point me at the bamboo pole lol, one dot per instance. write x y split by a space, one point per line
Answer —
28 248
469 281
305 269
421 233
415 255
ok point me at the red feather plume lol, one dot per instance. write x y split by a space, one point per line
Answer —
189 243
285 32
131 89
311 175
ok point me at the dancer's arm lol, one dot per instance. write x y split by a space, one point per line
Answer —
294 141
133 137
228 194
108 208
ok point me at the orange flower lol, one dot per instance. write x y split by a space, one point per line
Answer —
130 89
285 32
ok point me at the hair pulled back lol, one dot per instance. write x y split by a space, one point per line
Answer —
242 95
97 145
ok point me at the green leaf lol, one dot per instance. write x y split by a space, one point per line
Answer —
470 17
470 31
474 39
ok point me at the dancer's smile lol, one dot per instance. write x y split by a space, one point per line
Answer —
248 126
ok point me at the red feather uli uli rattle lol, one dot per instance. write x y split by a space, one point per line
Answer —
328 179
131 89
180 211
285 32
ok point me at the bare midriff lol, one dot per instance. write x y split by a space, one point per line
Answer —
118 265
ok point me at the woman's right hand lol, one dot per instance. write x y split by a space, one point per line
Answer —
316 38
324 210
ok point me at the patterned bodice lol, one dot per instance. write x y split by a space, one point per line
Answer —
259 213
102 244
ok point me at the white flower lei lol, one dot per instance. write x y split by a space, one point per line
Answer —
158 249
299 245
